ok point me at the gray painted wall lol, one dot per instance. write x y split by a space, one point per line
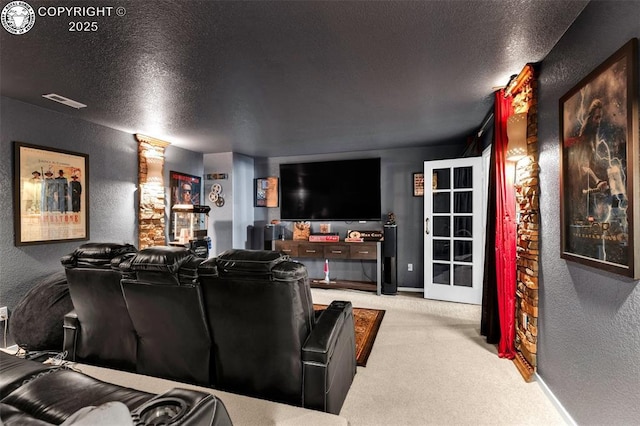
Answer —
589 329
220 218
243 210
113 173
113 178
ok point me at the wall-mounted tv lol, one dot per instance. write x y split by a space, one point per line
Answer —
331 190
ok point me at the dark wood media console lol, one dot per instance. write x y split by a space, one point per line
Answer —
368 250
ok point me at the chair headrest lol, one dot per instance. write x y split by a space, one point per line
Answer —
163 265
98 255
249 260
254 264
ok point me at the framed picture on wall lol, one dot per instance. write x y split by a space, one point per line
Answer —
185 189
599 156
51 195
266 192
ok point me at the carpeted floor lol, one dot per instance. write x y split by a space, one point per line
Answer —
431 366
367 323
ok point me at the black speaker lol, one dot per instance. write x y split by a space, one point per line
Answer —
270 235
389 260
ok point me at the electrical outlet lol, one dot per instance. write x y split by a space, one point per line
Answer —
410 267
4 313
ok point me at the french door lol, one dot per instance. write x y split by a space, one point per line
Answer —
453 230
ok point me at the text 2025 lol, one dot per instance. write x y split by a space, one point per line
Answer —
83 26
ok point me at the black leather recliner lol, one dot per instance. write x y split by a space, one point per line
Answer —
32 393
162 292
99 330
267 341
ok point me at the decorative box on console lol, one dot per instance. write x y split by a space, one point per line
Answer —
365 235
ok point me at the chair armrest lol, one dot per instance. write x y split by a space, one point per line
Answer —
323 338
201 409
71 327
329 359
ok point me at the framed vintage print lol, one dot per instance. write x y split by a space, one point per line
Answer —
266 192
599 158
51 195
418 184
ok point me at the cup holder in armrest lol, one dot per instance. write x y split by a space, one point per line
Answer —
160 412
182 407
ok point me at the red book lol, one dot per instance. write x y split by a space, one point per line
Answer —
324 238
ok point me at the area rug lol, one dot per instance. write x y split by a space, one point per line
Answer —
366 322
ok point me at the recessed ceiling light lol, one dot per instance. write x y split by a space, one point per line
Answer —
65 101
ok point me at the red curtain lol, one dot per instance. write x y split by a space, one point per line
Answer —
505 230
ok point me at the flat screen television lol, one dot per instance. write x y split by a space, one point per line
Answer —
331 190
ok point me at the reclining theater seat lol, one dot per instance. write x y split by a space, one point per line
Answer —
32 393
161 288
99 330
267 342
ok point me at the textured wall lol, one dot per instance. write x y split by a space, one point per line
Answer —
220 218
243 211
113 180
589 340
113 173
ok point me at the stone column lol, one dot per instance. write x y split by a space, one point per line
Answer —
528 207
151 220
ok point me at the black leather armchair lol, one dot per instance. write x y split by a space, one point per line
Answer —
99 330
162 292
267 341
32 393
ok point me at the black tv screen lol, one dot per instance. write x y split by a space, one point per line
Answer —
331 190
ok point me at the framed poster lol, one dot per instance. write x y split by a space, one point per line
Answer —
185 189
266 192
418 184
599 157
51 195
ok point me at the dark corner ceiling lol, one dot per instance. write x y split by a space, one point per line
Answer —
271 78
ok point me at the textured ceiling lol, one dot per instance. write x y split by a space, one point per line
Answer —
274 78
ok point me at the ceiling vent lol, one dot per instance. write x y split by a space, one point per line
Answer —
65 101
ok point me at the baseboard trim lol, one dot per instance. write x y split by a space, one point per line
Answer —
563 412
411 289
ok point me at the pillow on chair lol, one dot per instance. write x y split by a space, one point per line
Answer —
107 414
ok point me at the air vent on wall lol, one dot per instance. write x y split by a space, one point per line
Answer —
65 101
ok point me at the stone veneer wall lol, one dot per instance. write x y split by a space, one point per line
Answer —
528 251
151 220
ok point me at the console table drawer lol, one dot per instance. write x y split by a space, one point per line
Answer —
363 251
310 250
287 247
336 251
